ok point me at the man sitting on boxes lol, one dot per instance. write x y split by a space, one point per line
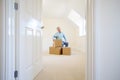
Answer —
60 36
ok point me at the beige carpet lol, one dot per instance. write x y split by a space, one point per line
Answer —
59 67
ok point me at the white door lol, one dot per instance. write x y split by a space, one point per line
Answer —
28 38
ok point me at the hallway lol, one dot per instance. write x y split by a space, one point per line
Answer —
62 67
21 39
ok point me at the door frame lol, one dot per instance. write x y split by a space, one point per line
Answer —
90 41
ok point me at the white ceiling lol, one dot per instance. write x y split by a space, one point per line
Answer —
62 8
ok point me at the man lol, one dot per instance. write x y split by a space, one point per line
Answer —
61 36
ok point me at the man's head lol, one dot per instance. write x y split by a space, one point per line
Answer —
58 29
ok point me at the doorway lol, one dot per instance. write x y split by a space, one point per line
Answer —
70 16
89 16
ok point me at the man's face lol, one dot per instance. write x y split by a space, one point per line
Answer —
58 29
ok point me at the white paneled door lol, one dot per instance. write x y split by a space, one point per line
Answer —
28 39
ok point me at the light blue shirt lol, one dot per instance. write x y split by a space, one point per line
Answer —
60 35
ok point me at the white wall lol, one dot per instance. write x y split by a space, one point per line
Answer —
107 39
82 44
81 41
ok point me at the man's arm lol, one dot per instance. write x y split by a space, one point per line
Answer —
55 36
64 37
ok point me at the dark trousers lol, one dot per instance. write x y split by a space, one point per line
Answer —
65 44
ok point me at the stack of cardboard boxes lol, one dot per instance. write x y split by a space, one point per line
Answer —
58 49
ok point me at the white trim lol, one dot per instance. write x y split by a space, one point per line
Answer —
17 38
90 42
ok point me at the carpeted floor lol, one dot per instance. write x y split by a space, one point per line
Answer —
60 67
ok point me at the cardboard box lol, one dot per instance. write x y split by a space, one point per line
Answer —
66 50
55 50
57 43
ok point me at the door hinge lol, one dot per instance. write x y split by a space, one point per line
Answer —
16 6
15 74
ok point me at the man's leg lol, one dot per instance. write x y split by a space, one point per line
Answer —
65 43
